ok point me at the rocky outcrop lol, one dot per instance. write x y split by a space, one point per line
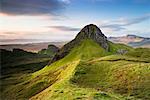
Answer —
90 31
51 50
93 32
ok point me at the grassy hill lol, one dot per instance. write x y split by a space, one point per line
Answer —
87 72
51 50
12 61
18 63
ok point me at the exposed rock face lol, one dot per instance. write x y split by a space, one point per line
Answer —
88 32
122 51
93 32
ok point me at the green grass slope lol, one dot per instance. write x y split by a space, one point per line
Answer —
115 47
17 64
40 80
128 77
88 72
63 88
104 78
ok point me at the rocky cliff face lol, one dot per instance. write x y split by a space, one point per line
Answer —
90 31
93 32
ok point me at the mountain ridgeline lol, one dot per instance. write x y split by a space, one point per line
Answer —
88 68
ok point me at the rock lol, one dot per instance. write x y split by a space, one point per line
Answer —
122 51
53 48
93 32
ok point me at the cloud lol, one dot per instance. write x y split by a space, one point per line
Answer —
126 22
103 0
9 33
119 1
66 1
64 28
32 7
120 24
142 1
18 40
113 27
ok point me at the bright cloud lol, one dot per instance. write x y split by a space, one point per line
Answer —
62 19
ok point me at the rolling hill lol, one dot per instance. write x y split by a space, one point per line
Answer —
88 68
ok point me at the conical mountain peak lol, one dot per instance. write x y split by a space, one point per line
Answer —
91 29
91 32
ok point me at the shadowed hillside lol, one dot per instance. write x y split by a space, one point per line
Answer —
18 63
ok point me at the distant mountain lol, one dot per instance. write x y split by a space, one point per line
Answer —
32 47
51 50
132 40
14 53
18 60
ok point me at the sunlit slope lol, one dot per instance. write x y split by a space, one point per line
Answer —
34 83
104 78
87 72
117 74
63 88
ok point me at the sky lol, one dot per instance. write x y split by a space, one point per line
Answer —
61 20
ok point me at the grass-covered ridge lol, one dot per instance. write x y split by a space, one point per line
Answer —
36 82
88 72
126 77
63 88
